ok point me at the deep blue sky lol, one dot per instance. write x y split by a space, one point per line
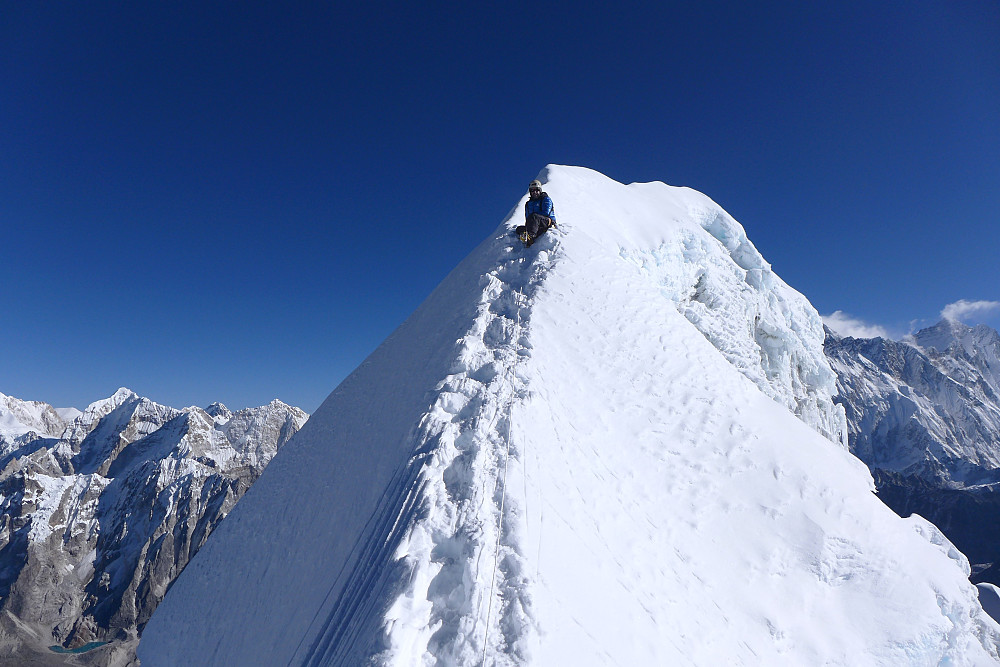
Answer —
238 201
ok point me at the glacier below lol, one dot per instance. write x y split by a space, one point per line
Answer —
616 447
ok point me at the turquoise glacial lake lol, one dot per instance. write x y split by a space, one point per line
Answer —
82 649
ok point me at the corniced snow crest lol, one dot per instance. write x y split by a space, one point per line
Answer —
721 284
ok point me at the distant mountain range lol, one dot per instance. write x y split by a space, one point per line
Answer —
100 510
924 415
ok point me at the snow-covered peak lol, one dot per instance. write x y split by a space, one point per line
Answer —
640 216
581 453
220 412
963 351
948 334
926 408
942 335
100 409
276 421
120 396
19 417
701 259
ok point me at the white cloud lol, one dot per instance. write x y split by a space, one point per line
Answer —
963 309
845 325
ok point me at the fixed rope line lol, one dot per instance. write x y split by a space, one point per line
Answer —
503 488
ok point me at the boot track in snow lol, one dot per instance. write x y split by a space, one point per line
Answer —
451 541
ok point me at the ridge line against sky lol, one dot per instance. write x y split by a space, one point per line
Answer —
959 311
239 202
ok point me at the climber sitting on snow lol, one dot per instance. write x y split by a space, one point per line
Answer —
539 214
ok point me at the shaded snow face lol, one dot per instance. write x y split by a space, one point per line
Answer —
551 463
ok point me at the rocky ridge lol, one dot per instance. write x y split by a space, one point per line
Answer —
100 510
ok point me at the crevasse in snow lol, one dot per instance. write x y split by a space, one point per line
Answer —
581 453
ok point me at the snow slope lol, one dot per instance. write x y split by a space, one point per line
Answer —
582 453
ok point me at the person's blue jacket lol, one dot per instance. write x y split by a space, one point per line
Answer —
541 205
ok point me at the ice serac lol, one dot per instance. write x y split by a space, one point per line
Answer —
610 448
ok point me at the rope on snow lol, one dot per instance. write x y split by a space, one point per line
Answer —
503 488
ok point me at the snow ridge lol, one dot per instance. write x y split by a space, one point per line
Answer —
446 503
454 553
658 505
767 330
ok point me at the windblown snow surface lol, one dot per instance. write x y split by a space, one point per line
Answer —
581 453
